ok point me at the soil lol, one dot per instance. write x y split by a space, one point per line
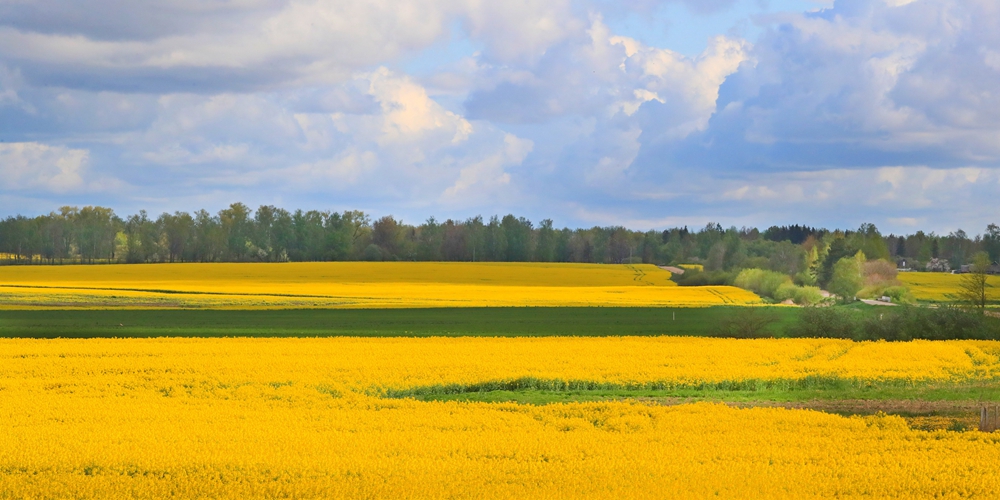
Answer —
921 415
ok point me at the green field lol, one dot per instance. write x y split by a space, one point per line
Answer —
799 391
517 321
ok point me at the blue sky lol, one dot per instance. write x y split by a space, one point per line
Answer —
643 113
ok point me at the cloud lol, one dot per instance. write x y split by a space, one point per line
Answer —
597 73
253 45
864 84
409 114
486 177
862 109
403 147
647 7
34 166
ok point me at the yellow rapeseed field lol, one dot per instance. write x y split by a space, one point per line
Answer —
303 418
351 284
940 287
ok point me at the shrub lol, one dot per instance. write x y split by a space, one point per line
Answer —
898 294
747 323
804 278
808 295
785 291
761 282
706 278
880 273
826 322
895 324
801 295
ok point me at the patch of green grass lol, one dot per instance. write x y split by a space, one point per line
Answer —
777 391
511 322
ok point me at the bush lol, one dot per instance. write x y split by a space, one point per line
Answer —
801 295
958 323
785 291
700 278
747 323
761 282
894 324
808 295
880 273
805 279
898 294
826 322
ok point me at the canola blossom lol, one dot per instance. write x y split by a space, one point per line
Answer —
940 287
252 418
352 285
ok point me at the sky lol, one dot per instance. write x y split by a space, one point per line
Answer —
643 113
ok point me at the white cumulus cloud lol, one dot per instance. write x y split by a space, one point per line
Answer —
36 166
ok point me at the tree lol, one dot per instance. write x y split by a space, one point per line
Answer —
974 288
870 241
430 240
991 242
847 279
237 228
178 231
208 240
96 228
545 249
134 251
495 240
746 323
838 249
386 234
518 231
475 231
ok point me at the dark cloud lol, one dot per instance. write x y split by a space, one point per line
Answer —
116 20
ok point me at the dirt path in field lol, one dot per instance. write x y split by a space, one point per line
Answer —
846 406
877 303
672 269
921 415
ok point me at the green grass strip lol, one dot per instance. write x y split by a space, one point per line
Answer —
540 391
501 321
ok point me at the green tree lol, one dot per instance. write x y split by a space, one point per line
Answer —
475 234
847 279
309 235
96 229
208 240
975 289
495 241
870 241
386 233
518 232
991 242
237 228
838 249
545 249
178 231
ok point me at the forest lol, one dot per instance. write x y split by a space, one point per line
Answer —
96 234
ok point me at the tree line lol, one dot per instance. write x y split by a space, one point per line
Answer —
237 233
